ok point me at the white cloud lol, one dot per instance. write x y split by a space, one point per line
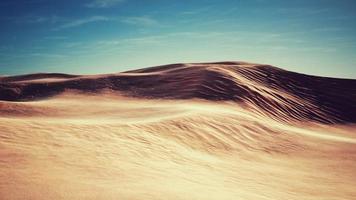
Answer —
103 3
83 21
140 21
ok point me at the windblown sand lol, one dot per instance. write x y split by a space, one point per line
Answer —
105 146
198 131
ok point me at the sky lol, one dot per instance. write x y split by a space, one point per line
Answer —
316 37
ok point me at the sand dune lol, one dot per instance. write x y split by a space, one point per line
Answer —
278 93
227 130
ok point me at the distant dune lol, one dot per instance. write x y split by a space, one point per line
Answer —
200 131
281 94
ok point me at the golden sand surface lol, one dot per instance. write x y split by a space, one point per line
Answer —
107 146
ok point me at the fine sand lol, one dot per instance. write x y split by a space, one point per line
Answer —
206 131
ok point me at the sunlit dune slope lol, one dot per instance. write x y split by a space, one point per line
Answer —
277 93
110 147
206 131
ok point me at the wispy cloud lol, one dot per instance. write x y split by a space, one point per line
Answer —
303 11
55 38
35 19
72 44
140 21
103 3
196 11
47 55
80 22
29 55
328 29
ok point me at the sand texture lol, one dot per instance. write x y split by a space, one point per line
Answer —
201 131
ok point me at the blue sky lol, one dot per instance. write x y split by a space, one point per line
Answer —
103 36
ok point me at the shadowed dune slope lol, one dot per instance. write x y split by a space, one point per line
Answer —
264 89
